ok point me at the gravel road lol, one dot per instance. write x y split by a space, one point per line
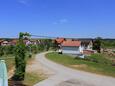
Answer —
64 76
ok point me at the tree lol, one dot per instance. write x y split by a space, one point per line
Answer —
97 45
20 60
1 51
55 45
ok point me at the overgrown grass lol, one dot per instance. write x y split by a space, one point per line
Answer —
32 78
96 63
9 59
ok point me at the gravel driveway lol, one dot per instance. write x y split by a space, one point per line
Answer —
63 76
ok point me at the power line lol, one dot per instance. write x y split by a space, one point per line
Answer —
50 37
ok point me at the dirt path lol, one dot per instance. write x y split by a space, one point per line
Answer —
63 76
11 73
34 66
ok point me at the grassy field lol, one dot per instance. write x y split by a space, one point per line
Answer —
97 63
10 61
30 78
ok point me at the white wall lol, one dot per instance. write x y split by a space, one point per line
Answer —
70 50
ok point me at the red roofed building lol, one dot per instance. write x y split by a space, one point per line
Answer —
71 47
60 40
71 43
1 41
13 42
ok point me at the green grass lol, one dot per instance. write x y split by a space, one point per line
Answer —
102 65
32 78
9 59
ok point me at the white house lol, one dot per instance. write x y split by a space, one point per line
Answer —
4 43
76 47
71 47
86 45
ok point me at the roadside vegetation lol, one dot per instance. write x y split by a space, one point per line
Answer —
9 59
96 63
10 52
32 78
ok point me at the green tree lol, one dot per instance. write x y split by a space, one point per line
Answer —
1 51
20 58
97 45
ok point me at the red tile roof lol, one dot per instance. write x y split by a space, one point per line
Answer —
14 41
59 40
71 43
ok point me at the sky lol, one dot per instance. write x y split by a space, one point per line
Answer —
58 18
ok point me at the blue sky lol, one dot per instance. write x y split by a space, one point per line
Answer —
60 18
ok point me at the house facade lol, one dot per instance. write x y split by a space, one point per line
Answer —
79 48
86 45
71 47
5 43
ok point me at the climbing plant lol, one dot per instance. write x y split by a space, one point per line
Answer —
20 58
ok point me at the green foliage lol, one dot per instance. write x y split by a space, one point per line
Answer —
20 62
6 50
97 45
1 51
32 78
34 49
99 58
108 43
20 59
47 43
41 47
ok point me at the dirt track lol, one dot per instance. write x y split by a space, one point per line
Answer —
63 76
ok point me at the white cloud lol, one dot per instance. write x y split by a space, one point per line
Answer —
61 21
24 2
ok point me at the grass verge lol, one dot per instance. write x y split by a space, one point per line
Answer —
100 66
10 61
32 78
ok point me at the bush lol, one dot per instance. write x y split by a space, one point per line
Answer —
20 62
6 50
1 51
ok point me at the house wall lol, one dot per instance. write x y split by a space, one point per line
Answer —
90 46
70 50
81 48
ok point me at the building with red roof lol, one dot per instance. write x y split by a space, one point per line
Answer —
1 41
60 40
71 43
71 47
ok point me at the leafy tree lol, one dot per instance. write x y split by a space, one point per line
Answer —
34 49
1 51
55 45
97 45
20 60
